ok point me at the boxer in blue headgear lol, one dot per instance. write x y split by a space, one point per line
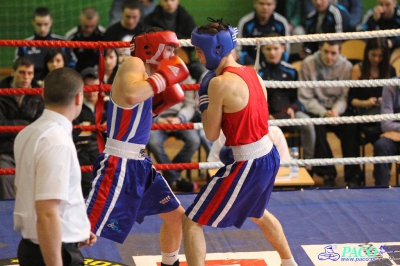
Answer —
233 98
215 45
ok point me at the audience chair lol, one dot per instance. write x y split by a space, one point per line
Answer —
353 50
297 65
395 55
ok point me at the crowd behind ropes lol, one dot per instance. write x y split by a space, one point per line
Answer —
268 18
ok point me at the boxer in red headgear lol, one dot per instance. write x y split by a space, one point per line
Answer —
126 187
152 47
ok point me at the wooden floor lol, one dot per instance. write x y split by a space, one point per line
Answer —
173 146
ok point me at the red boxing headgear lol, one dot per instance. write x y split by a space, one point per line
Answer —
150 46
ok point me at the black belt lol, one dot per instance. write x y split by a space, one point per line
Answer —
68 244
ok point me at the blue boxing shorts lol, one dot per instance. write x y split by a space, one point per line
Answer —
125 189
238 190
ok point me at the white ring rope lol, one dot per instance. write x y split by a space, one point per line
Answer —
319 162
325 120
332 83
311 37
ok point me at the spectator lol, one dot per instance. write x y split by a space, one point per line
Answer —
292 10
326 18
179 113
110 65
54 59
384 16
259 22
329 64
125 29
388 143
86 141
147 6
49 208
354 7
283 103
42 23
367 101
170 15
87 31
16 110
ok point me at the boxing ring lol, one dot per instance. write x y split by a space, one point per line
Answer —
323 226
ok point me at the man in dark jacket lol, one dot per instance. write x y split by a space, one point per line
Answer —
170 15
384 16
16 110
326 18
88 30
42 22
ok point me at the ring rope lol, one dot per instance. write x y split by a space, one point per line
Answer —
276 122
268 83
187 42
216 165
311 37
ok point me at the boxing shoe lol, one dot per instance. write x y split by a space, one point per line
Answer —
329 181
176 263
183 185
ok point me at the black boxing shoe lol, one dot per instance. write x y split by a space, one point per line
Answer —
183 185
176 263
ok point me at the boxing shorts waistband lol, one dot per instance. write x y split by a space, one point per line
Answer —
125 149
253 150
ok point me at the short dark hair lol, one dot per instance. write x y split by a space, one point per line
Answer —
131 4
22 61
213 27
272 34
332 42
61 86
53 52
89 12
41 12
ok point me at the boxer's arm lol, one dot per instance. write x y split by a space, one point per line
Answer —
212 116
130 86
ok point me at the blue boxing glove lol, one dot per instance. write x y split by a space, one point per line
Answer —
203 90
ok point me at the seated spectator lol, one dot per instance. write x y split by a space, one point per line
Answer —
42 23
54 59
147 6
354 7
388 143
329 64
16 110
87 31
384 16
110 65
180 113
86 141
326 18
283 103
125 29
258 23
170 15
367 101
292 10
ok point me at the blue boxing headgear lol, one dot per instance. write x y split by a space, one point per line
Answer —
215 46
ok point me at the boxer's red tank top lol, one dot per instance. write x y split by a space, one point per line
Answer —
251 123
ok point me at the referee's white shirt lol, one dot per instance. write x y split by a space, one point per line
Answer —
47 168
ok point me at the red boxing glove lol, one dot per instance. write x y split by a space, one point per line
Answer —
171 96
170 71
